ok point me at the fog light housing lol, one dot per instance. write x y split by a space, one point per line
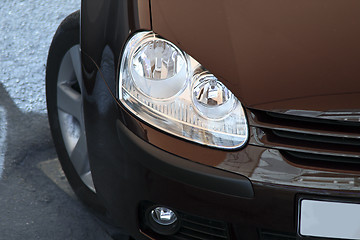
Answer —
162 220
163 216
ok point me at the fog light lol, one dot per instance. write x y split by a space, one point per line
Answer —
163 216
162 220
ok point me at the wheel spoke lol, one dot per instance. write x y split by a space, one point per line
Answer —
87 179
69 101
70 112
79 157
76 62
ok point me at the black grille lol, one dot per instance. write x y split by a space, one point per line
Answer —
276 236
315 138
195 228
300 139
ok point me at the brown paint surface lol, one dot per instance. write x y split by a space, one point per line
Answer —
271 51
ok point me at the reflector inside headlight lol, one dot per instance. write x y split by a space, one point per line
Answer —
170 90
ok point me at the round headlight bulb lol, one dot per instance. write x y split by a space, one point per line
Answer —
159 69
211 98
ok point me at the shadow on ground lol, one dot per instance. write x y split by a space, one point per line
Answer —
36 201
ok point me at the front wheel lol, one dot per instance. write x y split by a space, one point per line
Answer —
64 96
65 109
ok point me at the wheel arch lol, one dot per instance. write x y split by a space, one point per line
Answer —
105 27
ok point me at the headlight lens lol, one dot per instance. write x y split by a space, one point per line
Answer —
170 90
158 68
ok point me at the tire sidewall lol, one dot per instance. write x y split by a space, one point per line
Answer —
66 36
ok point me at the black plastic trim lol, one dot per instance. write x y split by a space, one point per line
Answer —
184 171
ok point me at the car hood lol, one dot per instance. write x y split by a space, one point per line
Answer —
297 56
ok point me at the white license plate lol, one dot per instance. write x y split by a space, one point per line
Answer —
329 219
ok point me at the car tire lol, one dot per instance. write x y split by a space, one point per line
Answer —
65 111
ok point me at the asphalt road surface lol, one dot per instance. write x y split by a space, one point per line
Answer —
36 201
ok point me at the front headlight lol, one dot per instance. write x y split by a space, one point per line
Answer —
170 90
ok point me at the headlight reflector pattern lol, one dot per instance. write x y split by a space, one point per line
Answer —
170 90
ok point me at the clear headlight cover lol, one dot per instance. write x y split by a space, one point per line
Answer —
171 91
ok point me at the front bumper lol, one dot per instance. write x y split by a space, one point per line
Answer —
181 170
132 164
145 173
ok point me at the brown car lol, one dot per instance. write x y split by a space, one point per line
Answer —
213 120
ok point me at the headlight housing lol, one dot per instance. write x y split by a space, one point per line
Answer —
170 90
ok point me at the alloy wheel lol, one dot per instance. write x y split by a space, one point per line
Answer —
70 112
